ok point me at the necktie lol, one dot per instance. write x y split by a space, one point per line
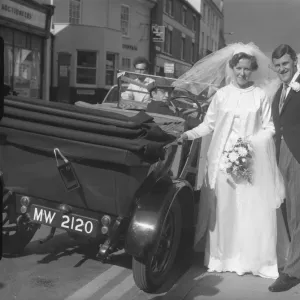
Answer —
283 96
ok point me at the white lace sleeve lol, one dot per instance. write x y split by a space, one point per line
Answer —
208 125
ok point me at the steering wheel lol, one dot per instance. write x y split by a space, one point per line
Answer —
189 111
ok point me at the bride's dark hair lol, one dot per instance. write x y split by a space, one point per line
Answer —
242 55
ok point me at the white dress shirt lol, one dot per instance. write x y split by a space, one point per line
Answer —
293 80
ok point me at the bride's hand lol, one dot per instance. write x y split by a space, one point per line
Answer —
182 138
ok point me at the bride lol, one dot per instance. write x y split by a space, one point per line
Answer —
242 221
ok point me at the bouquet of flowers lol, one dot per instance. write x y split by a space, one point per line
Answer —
238 160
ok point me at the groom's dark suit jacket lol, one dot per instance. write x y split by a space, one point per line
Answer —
287 123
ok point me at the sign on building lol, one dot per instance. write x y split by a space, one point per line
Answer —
169 68
16 11
158 33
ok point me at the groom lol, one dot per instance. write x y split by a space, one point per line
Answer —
286 117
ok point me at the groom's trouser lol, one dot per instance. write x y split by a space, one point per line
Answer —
290 169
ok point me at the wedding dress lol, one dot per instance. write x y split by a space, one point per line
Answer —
242 222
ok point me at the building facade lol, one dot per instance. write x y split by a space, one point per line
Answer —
25 28
92 40
180 47
212 27
135 29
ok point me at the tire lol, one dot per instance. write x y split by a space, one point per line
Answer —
14 242
144 276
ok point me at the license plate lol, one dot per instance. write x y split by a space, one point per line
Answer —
71 222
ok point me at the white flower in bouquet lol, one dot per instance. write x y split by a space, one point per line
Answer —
228 165
242 151
237 162
233 156
250 148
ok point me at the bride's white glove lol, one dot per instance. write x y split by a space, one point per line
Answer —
182 138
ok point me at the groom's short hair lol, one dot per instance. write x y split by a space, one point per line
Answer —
282 50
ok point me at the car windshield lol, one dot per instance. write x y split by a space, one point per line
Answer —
152 94
141 89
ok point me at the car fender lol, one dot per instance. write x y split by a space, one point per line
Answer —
150 213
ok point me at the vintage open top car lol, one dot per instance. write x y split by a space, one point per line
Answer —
111 173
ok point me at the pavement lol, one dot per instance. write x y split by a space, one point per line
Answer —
60 270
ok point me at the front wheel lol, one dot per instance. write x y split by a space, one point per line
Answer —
152 274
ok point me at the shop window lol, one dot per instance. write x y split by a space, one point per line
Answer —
111 68
7 34
74 11
8 65
27 72
125 20
126 63
22 62
36 43
86 67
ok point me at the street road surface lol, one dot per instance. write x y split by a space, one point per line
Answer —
59 270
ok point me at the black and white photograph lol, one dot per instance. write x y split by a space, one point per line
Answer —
150 149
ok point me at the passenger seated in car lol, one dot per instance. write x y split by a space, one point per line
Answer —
159 103
135 92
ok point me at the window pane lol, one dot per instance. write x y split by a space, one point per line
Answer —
182 48
8 64
171 7
110 68
125 20
170 41
35 75
20 39
192 52
86 76
27 75
74 11
126 63
36 43
109 79
7 35
87 59
110 61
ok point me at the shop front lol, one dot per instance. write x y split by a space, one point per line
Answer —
25 27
